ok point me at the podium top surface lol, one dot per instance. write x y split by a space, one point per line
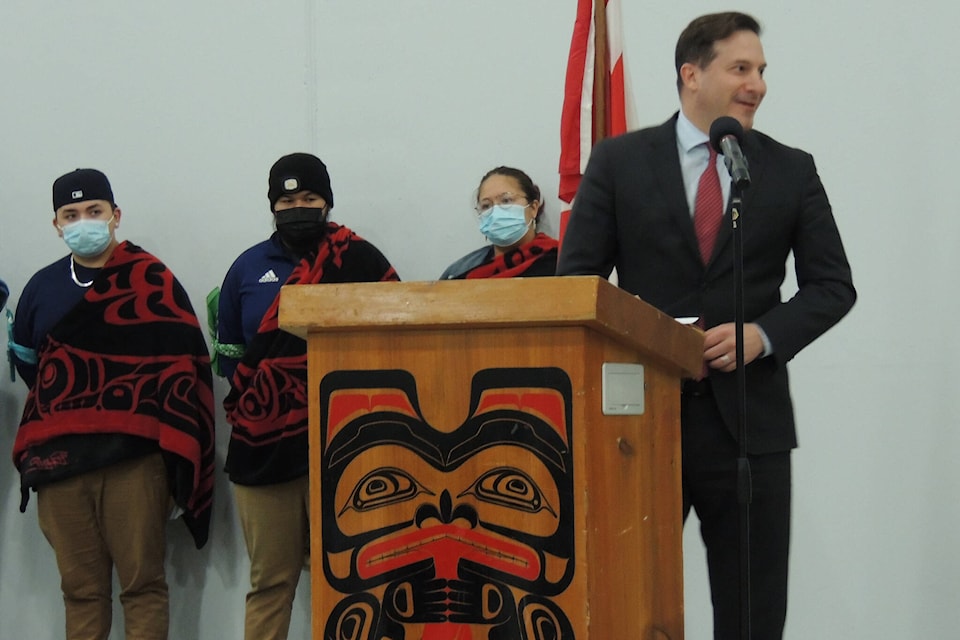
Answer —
587 301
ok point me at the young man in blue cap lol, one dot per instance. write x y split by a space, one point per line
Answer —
118 422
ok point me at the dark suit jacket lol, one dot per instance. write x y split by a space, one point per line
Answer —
631 213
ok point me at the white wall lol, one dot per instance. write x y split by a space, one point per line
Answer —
186 104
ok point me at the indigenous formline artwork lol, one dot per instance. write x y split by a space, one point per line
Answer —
447 531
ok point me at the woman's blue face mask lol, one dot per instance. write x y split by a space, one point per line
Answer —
504 224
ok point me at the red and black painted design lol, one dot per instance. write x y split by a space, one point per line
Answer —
129 359
267 403
464 534
536 258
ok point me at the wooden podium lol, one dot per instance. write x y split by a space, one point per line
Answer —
471 474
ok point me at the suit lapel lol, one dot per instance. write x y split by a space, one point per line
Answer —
670 179
754 154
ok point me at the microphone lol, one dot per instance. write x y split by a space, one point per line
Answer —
725 135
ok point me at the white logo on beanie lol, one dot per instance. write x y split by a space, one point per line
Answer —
290 184
76 195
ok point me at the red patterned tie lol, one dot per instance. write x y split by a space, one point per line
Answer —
708 208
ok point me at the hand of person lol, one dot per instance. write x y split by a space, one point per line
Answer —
720 346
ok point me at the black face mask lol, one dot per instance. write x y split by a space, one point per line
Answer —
301 228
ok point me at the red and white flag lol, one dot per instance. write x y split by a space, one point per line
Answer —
597 100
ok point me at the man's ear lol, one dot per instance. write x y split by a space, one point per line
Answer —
690 75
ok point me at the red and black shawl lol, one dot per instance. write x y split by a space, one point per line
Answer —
129 359
536 258
267 404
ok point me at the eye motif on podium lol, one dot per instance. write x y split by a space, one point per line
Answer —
464 534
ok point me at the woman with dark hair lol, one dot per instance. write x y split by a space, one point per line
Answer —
508 209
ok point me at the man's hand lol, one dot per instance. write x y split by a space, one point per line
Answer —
720 346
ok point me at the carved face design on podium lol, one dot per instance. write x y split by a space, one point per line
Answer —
464 533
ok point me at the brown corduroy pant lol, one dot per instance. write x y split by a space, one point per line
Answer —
275 520
111 517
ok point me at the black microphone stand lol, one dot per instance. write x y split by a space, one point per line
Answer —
725 135
744 479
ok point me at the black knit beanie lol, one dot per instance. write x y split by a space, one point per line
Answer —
299 172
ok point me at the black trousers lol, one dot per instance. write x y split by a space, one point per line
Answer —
710 455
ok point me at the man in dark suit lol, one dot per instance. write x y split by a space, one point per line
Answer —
637 209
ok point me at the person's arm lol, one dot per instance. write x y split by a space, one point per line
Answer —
23 349
467 263
229 322
368 264
825 285
590 242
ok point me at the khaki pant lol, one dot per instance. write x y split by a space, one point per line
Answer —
276 526
111 517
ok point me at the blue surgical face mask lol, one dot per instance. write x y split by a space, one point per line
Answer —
87 238
504 225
